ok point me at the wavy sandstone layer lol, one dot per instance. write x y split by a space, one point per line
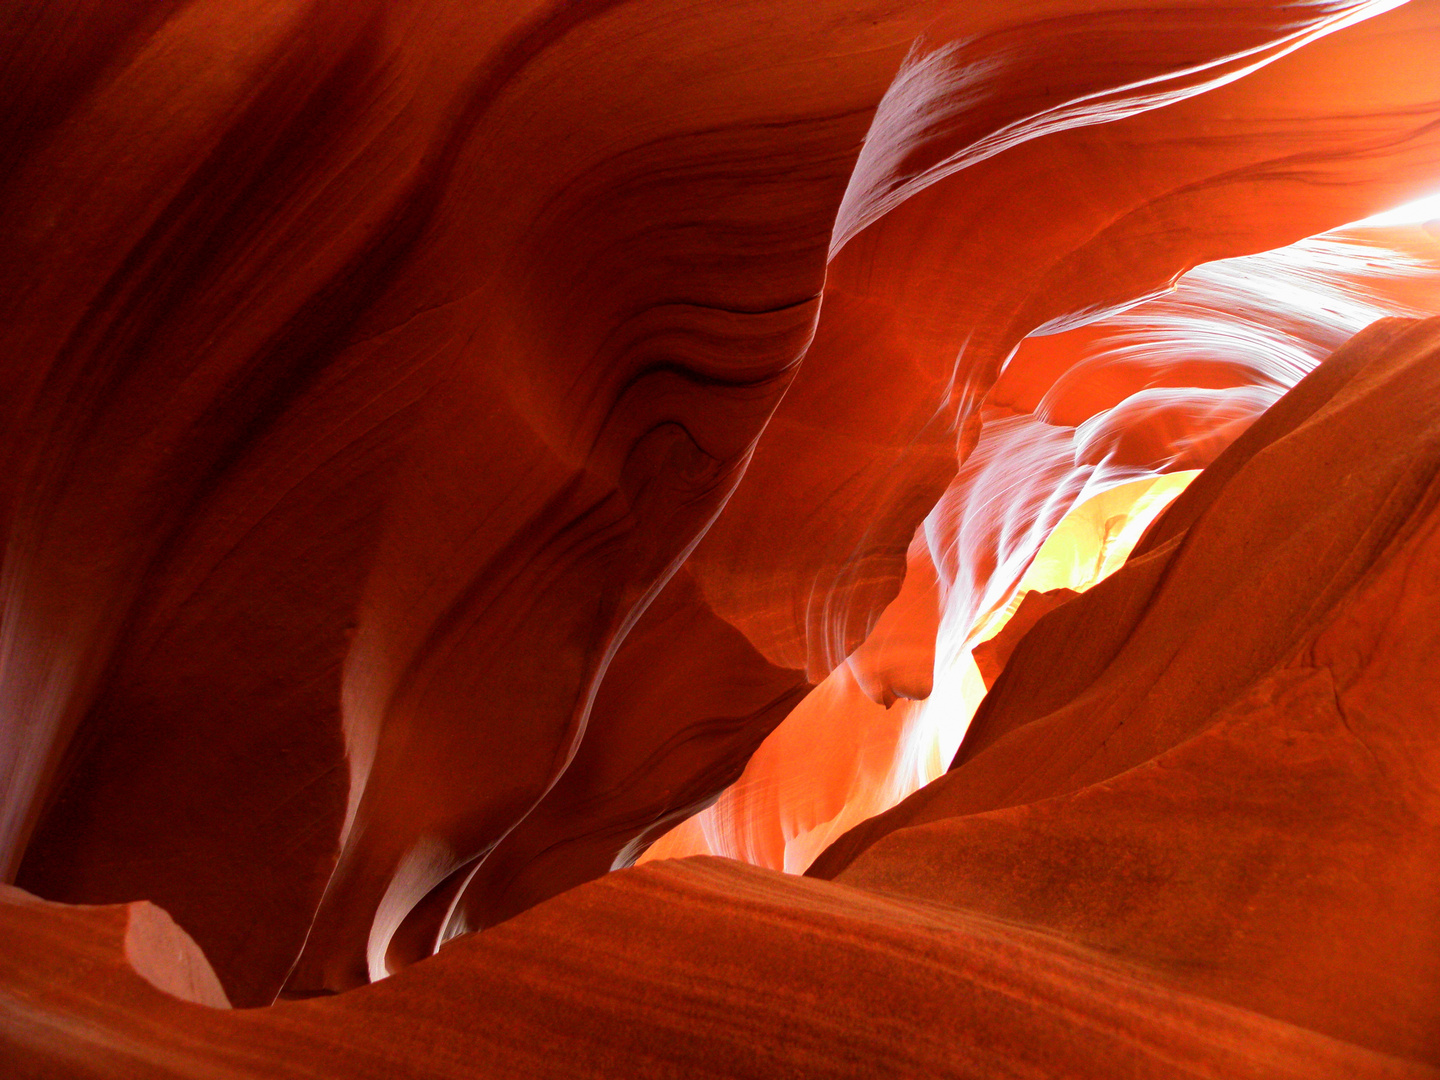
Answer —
1176 873
440 441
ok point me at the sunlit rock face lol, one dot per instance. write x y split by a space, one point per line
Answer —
1242 707
890 719
448 445
1127 406
1232 874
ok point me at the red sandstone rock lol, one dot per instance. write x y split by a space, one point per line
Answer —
371 366
1233 876
1218 762
1173 426
992 654
699 968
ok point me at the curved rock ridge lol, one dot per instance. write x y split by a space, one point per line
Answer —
1157 390
890 719
964 996
395 387
1170 875
1219 760
1168 409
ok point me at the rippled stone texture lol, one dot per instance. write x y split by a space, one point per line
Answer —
1233 875
442 440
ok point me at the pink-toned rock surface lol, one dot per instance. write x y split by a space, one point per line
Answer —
439 441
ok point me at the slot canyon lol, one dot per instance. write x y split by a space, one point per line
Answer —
719 538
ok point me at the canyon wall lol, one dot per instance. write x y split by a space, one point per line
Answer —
1192 832
443 441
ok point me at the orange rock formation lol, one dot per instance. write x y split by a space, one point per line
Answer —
442 441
